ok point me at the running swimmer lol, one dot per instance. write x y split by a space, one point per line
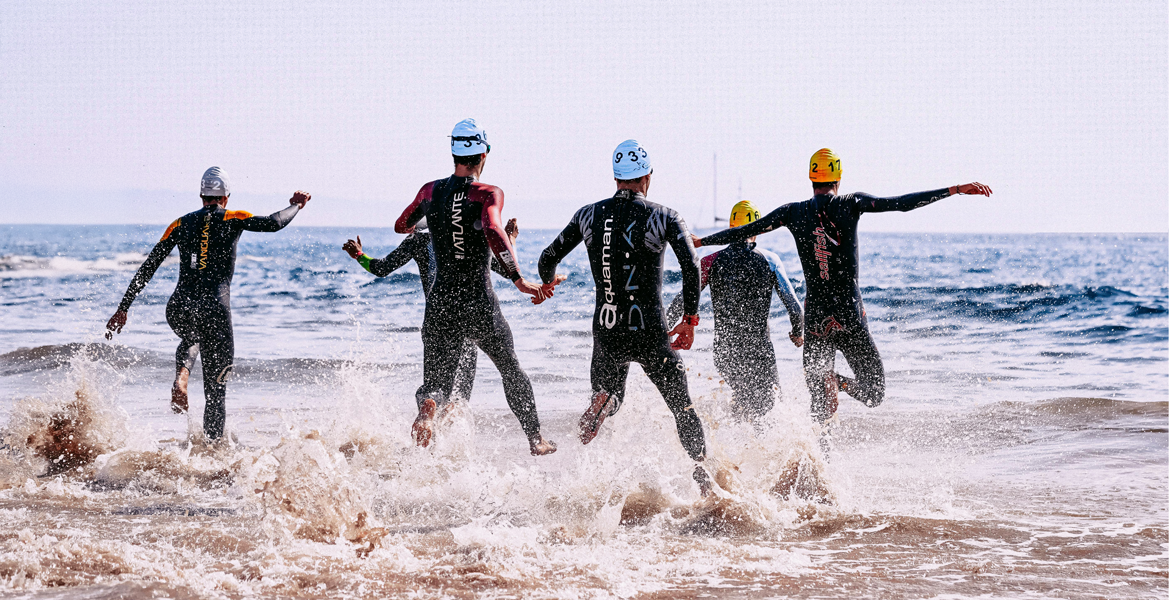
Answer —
625 237
825 230
742 278
199 310
417 247
466 228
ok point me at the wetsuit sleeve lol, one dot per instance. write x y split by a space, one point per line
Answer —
401 255
786 293
675 312
863 202
273 222
497 267
156 257
684 250
560 248
416 211
768 222
493 230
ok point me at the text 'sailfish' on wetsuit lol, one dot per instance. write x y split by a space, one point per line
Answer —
742 278
199 310
466 231
625 237
417 247
825 230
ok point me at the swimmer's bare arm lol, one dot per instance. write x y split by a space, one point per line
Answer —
145 272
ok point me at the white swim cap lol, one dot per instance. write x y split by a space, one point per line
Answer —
215 183
630 161
467 139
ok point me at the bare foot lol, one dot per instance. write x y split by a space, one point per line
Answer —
179 392
424 424
540 446
594 416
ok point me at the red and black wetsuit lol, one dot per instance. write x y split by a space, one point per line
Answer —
825 230
199 310
742 278
466 231
626 236
417 247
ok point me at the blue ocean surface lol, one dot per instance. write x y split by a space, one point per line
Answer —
1021 449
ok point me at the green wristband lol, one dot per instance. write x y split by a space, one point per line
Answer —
364 261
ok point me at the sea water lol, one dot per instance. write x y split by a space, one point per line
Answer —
1021 450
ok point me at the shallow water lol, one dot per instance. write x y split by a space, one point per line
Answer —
1021 452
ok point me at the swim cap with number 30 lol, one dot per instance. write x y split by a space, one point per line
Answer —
824 166
630 161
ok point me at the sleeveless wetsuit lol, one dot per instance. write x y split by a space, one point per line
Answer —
417 247
199 310
742 278
825 230
466 230
625 237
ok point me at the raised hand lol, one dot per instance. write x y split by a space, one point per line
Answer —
513 231
300 198
354 248
973 189
115 324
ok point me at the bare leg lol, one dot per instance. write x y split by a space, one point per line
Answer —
179 391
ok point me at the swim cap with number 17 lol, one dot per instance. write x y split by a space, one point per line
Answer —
824 166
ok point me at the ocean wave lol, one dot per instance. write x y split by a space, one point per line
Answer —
16 265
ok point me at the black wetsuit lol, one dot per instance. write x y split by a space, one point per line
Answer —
742 278
417 247
466 230
825 230
199 310
625 237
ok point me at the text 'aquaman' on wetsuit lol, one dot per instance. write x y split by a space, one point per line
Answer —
199 310
825 230
466 231
625 237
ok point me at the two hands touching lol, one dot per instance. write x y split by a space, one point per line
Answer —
539 293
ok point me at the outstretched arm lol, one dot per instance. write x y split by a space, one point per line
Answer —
275 221
145 272
381 267
768 222
867 203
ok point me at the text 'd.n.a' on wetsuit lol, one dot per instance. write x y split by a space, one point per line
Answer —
466 232
625 237
417 247
825 230
742 278
199 310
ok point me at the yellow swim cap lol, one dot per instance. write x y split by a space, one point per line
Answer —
824 166
742 213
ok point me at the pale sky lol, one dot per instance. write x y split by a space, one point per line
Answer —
111 111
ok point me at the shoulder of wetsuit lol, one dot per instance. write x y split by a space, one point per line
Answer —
484 189
228 215
171 228
771 257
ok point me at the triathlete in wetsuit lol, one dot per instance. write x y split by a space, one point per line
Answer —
742 278
825 230
464 218
199 310
625 236
417 247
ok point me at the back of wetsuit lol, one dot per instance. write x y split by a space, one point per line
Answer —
742 279
625 236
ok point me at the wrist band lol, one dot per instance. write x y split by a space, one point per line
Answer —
692 320
364 261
